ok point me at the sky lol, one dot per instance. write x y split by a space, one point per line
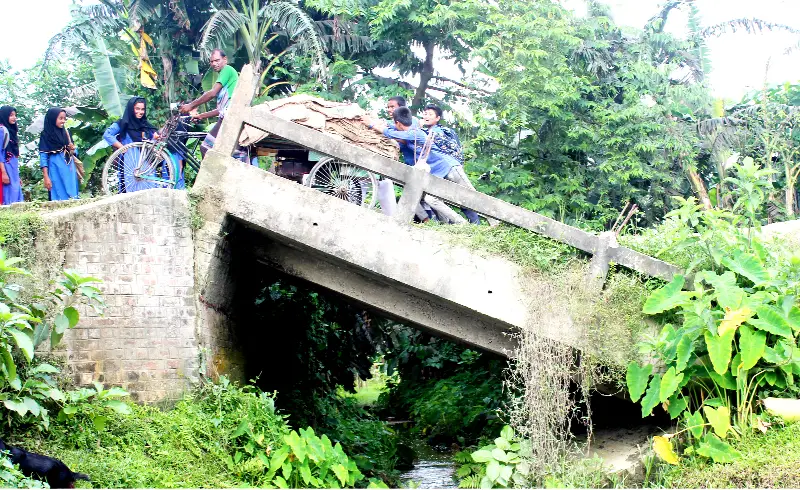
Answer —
738 60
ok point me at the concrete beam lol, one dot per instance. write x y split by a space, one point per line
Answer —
392 299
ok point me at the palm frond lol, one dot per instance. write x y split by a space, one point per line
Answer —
751 26
179 13
141 10
81 93
348 8
222 26
709 127
87 22
299 28
340 36
792 49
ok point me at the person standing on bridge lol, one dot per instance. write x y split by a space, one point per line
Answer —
11 189
446 143
414 137
223 92
424 211
56 157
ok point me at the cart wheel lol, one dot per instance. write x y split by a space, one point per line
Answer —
345 181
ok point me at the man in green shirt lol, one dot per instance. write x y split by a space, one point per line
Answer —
223 92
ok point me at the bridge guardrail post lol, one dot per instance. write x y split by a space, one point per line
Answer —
413 190
237 113
601 261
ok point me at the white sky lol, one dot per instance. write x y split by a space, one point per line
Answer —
738 59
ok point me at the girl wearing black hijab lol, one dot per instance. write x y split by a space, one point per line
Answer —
11 189
55 157
133 126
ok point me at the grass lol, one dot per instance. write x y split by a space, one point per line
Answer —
18 232
368 393
190 445
771 460
523 247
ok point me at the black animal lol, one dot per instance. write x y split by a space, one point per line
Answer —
44 468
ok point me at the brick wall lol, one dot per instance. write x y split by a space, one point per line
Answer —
216 287
141 246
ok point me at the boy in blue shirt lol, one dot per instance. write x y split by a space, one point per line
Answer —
411 140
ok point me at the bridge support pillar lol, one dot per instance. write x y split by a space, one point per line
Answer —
601 261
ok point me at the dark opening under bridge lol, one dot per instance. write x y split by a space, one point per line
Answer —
177 290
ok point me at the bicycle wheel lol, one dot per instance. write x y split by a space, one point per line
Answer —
136 167
345 181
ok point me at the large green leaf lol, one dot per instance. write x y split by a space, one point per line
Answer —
636 378
651 398
669 383
108 87
719 418
8 364
72 315
61 323
297 444
666 298
694 422
720 451
726 380
24 341
16 406
40 333
720 349
482 456
341 473
726 291
772 320
752 344
118 406
683 352
746 265
677 404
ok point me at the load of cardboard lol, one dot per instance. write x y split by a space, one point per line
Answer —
338 119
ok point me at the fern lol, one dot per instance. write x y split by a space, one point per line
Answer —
463 457
472 481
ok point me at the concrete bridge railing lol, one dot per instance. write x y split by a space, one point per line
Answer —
417 183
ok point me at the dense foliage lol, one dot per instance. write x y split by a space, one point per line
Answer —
453 393
731 336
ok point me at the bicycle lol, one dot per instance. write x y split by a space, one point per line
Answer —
152 164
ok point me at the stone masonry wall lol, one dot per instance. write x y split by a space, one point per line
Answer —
141 246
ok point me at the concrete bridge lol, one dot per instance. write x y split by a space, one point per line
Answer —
171 262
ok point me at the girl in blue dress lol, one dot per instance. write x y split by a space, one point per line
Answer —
9 156
55 157
132 127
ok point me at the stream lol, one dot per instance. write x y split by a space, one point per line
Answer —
432 469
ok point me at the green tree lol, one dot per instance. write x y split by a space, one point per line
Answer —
440 27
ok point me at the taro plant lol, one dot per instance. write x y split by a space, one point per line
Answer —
27 386
732 332
309 461
498 465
